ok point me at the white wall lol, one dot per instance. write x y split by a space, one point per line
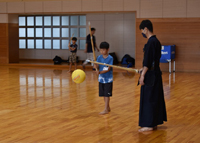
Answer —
117 29
144 8
3 18
48 54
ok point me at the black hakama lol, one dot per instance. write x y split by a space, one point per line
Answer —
152 104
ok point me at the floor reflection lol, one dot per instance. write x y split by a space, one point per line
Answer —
144 136
105 131
57 72
43 85
40 104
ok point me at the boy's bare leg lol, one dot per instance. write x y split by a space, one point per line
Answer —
107 106
75 65
109 110
70 67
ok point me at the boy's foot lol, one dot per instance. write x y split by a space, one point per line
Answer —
104 112
109 109
145 129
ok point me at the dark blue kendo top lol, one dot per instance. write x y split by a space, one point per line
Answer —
88 41
152 53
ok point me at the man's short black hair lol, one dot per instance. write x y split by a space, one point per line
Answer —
146 23
74 39
93 29
104 45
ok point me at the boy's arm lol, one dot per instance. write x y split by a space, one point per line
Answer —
96 66
96 47
109 68
95 44
141 80
105 71
86 45
70 48
73 48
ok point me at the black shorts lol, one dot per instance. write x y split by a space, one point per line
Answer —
105 89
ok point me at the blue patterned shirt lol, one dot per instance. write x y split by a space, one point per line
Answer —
105 77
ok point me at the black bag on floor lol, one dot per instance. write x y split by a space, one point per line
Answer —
57 60
131 60
124 59
115 60
127 59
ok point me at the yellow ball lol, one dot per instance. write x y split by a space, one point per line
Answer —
78 76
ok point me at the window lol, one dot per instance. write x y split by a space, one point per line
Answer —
51 32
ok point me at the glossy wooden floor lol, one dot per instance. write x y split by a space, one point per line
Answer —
45 106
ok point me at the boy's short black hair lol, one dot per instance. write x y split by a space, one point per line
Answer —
146 23
74 39
104 45
93 29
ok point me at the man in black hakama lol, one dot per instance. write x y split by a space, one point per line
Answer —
152 104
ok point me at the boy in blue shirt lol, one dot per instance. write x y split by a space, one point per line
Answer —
73 50
105 76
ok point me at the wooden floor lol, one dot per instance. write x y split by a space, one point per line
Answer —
45 106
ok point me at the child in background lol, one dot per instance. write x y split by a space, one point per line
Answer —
105 76
73 50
